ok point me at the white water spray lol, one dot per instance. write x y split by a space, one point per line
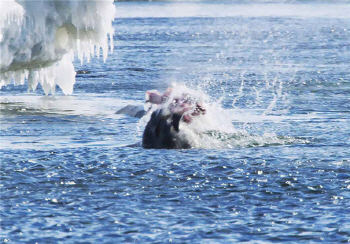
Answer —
215 129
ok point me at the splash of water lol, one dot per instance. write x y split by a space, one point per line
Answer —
216 129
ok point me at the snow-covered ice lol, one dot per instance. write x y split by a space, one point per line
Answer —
40 39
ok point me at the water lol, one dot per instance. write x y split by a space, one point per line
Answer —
276 169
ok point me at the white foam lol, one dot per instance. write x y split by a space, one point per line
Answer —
38 40
216 130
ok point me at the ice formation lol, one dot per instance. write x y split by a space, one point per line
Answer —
39 39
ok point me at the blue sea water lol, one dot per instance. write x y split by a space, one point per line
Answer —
69 174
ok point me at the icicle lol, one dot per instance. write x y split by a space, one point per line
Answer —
87 25
32 80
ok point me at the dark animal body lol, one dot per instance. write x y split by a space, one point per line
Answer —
133 111
162 131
